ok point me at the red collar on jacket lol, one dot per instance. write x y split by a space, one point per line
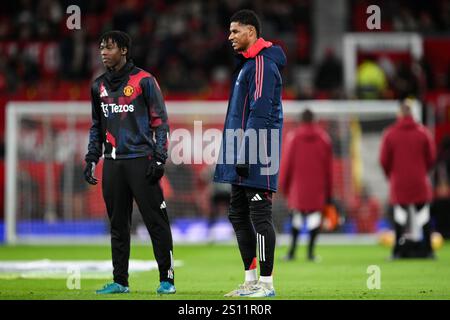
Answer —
406 120
256 48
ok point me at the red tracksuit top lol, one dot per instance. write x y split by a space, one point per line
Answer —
407 155
306 168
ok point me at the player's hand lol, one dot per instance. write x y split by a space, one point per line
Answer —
155 170
89 171
243 170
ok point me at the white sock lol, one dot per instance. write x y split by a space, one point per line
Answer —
251 275
266 280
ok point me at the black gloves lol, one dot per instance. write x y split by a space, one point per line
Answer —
243 170
155 170
89 171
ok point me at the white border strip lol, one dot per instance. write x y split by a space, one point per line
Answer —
208 108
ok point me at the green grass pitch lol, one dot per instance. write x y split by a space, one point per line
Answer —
209 271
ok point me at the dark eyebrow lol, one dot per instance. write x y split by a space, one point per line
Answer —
106 44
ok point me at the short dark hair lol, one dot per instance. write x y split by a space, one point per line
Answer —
122 39
307 116
248 17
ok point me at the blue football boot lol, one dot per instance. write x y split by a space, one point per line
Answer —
114 287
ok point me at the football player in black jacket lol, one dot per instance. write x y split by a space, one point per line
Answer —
129 125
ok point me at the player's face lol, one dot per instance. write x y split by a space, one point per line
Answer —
111 54
240 36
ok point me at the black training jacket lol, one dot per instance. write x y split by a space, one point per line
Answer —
129 117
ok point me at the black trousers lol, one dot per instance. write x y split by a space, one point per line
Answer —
123 181
251 216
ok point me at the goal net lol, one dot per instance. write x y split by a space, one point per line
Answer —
47 198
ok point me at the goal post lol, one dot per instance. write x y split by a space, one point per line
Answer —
353 43
45 196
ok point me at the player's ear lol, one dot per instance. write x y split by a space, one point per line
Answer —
252 30
124 51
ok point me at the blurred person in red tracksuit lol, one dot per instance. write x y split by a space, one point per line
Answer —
407 155
306 178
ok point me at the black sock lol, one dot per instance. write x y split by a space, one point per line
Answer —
399 232
427 239
312 241
246 239
265 233
239 215
261 216
294 236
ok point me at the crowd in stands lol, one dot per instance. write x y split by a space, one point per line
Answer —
184 43
425 17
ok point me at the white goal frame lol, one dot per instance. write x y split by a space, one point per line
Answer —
367 41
